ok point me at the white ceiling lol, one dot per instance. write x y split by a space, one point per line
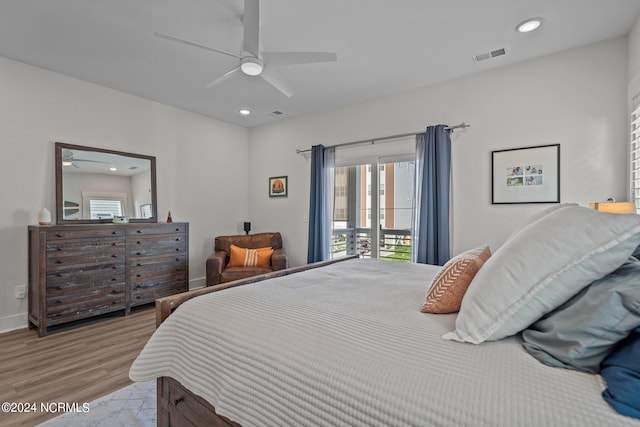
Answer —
383 46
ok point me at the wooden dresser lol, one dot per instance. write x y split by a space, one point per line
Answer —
79 271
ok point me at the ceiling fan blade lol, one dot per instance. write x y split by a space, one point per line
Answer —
196 44
294 58
251 22
88 161
276 80
223 78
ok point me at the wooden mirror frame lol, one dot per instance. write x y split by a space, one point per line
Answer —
60 146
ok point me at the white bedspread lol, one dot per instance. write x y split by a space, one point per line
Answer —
348 345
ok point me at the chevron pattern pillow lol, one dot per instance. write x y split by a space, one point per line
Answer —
449 285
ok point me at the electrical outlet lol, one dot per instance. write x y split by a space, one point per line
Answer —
21 292
305 218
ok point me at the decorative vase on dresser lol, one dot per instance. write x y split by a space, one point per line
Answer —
84 270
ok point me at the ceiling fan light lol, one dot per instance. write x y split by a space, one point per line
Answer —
251 66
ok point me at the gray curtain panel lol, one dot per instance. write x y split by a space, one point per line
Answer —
431 212
321 203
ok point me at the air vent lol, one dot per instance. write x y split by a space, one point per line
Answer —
488 55
275 113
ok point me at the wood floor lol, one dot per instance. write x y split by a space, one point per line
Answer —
74 365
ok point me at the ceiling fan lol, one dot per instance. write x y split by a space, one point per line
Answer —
68 159
253 62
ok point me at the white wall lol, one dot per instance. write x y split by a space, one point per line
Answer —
201 163
634 65
575 98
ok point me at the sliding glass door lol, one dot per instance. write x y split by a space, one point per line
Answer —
373 210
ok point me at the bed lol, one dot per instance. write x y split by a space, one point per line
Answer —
347 344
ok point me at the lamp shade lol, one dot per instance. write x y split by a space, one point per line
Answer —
614 207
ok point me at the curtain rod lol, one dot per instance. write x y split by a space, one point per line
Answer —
462 125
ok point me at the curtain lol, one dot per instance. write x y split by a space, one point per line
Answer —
431 210
321 203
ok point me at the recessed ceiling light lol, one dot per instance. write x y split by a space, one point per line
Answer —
244 111
529 25
113 168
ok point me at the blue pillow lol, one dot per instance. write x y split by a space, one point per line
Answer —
583 331
621 372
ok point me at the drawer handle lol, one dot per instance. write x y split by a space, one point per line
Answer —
177 229
59 248
139 242
114 267
60 288
138 275
138 231
58 261
138 253
114 256
58 275
176 402
177 239
138 265
114 232
113 279
59 235
177 249
113 244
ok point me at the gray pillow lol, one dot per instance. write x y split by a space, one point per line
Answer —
582 332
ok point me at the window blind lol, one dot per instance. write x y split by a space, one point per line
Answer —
635 157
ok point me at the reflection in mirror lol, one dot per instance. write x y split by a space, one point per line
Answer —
96 185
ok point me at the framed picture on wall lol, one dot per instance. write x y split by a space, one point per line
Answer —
278 186
526 175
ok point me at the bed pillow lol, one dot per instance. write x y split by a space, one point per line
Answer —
448 287
542 267
621 372
582 332
244 257
536 216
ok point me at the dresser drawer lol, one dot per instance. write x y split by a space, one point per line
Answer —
157 229
152 261
80 280
93 233
66 308
147 291
167 244
77 254
141 274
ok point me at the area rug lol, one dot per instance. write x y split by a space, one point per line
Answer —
132 406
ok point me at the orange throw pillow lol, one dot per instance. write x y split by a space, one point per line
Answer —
244 257
450 284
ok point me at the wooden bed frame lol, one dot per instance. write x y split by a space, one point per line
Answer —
178 406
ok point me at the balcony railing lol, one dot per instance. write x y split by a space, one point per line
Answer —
395 245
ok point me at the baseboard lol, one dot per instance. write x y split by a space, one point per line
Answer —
197 283
11 323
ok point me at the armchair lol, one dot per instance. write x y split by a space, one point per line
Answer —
218 269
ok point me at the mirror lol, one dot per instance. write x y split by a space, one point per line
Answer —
96 185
